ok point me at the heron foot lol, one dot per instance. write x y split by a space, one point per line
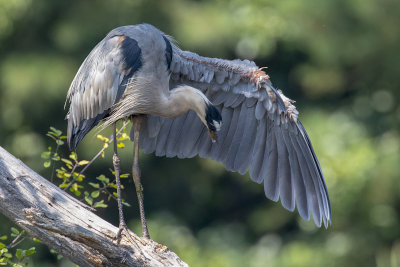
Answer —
123 227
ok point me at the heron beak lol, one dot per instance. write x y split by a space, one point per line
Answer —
213 136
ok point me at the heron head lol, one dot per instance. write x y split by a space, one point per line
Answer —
213 120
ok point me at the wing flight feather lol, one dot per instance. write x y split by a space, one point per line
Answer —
260 132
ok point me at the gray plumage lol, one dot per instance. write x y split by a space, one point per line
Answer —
134 68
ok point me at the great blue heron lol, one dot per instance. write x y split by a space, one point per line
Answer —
138 72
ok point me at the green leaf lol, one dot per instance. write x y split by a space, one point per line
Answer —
126 203
47 163
80 178
67 161
89 200
86 193
121 145
95 194
59 142
20 253
36 240
52 136
95 185
100 204
75 189
4 237
55 157
2 245
14 231
57 132
30 251
45 155
75 186
103 178
83 162
115 194
8 255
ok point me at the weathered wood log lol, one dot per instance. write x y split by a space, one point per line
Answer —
67 225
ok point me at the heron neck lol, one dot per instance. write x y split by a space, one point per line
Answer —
185 98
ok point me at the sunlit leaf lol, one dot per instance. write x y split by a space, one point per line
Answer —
73 156
67 161
121 145
83 162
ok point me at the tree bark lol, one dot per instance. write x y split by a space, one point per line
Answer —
67 225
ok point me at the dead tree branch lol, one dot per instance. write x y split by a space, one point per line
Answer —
67 225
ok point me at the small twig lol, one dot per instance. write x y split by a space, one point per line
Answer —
54 164
72 172
15 242
95 157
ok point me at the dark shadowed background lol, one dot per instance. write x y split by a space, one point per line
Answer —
338 59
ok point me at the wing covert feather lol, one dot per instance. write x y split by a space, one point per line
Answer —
100 83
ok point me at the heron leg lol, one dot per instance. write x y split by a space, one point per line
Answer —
116 162
137 120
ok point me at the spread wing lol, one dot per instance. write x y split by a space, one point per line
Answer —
100 83
260 132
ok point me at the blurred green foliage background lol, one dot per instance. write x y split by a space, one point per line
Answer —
339 59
